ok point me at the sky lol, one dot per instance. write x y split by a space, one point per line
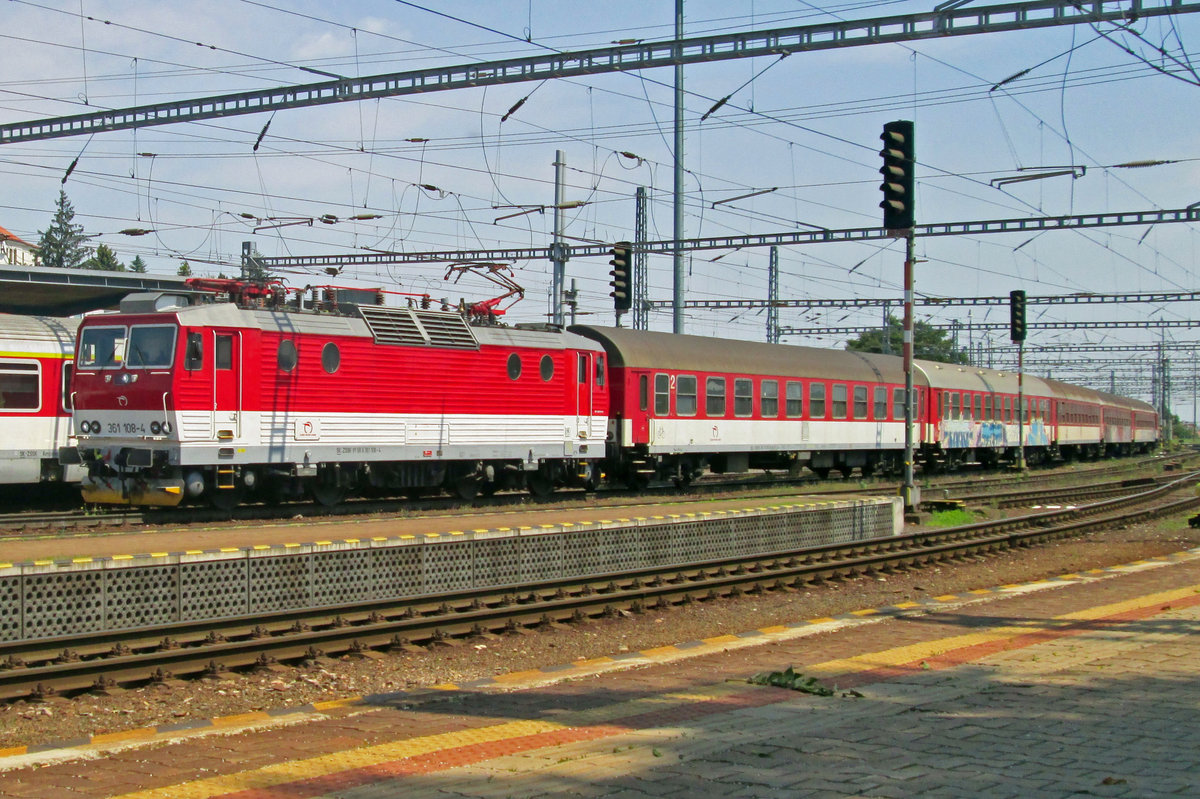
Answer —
439 170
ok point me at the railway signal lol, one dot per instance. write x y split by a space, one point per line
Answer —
1016 319
622 293
899 166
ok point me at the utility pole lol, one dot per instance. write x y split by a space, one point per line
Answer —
678 235
558 249
641 263
773 297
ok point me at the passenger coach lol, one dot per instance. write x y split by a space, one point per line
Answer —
35 399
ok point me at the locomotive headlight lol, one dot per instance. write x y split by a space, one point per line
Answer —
85 427
166 428
156 429
95 425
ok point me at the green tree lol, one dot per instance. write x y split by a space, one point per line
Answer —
928 342
137 265
105 260
62 244
184 270
252 268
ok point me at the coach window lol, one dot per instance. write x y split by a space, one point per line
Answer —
897 403
714 396
151 346
331 357
794 401
880 403
966 406
19 383
546 368
860 402
987 408
101 347
287 357
685 395
1007 417
816 400
768 399
514 366
68 369
193 357
643 392
978 406
743 397
662 395
837 400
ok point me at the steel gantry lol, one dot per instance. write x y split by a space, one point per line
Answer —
1071 222
940 23
985 326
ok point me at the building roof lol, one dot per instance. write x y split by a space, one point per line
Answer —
7 235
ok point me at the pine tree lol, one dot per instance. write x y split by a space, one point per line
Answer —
61 245
137 264
184 270
105 260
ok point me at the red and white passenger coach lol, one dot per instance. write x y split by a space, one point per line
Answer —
218 400
35 401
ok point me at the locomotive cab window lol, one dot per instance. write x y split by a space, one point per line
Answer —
714 396
768 400
600 370
151 346
20 383
685 395
743 397
101 348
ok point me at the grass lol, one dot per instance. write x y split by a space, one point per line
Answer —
951 518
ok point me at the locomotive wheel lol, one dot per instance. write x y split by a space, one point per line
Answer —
327 495
226 499
466 488
539 485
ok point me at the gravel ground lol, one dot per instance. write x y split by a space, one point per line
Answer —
85 715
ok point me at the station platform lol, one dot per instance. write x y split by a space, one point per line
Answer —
1085 684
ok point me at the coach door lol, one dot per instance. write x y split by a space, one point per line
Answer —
227 384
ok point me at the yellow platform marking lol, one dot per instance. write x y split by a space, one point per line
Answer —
927 649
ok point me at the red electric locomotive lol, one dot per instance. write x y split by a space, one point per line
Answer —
184 398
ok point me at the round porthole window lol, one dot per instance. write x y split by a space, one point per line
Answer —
287 355
331 358
514 366
547 368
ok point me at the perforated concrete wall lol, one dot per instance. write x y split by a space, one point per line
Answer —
47 600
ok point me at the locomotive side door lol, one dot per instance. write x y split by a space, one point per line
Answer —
227 384
584 375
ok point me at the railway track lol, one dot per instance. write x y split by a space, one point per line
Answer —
78 663
88 519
